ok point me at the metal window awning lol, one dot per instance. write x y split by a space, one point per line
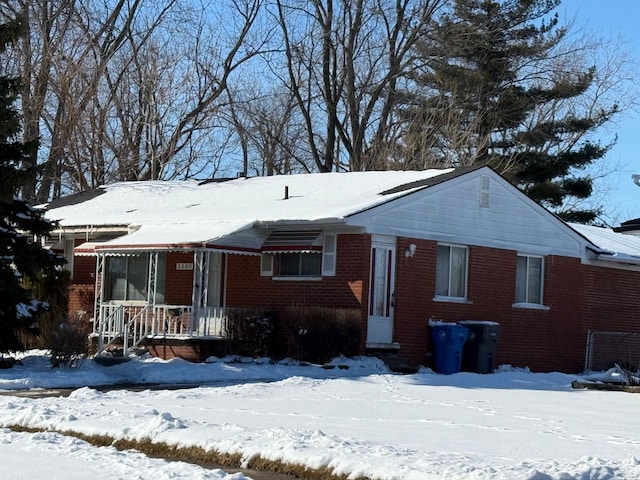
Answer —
293 242
88 248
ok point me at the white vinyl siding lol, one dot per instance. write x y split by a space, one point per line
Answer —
451 271
451 212
529 279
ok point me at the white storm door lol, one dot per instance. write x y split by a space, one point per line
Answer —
381 293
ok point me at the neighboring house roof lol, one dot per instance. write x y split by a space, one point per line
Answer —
610 245
629 226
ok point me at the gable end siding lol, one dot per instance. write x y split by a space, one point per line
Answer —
452 212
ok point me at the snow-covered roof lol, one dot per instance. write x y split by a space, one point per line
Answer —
163 213
186 214
611 245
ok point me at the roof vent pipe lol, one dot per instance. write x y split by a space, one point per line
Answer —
286 192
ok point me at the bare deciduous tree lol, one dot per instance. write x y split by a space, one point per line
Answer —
270 131
344 61
128 90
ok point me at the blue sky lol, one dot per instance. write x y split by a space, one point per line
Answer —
611 18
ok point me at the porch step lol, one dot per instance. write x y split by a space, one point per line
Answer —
115 356
397 364
108 361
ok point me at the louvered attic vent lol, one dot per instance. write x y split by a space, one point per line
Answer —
485 182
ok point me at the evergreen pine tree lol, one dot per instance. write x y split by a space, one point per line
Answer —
495 97
21 256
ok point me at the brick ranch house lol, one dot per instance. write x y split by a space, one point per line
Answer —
168 259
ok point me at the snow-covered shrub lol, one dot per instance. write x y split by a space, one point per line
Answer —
250 332
54 290
318 334
68 342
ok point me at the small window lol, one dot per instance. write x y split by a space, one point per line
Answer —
529 276
451 271
300 264
329 255
266 265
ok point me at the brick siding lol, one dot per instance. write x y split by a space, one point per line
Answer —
578 298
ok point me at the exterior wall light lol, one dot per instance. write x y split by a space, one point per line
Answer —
410 251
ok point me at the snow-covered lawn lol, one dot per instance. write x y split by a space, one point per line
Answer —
362 421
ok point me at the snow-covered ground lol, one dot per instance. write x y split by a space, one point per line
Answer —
362 420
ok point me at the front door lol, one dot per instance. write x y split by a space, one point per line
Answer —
381 291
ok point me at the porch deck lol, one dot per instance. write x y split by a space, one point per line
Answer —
131 324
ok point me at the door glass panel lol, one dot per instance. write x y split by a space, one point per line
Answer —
380 267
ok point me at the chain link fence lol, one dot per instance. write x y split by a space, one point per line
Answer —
606 348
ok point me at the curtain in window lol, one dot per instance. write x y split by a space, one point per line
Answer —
451 271
528 279
534 293
442 271
521 279
458 272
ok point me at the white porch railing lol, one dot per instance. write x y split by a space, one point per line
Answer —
132 323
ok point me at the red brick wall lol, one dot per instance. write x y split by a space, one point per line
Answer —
612 299
579 298
84 269
82 290
550 339
247 289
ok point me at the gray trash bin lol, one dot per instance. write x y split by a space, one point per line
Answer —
480 348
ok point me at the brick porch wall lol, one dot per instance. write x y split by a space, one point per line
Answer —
179 283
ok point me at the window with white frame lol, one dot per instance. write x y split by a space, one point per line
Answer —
127 278
451 271
529 279
298 264
311 261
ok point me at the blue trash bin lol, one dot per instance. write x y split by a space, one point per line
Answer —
449 341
